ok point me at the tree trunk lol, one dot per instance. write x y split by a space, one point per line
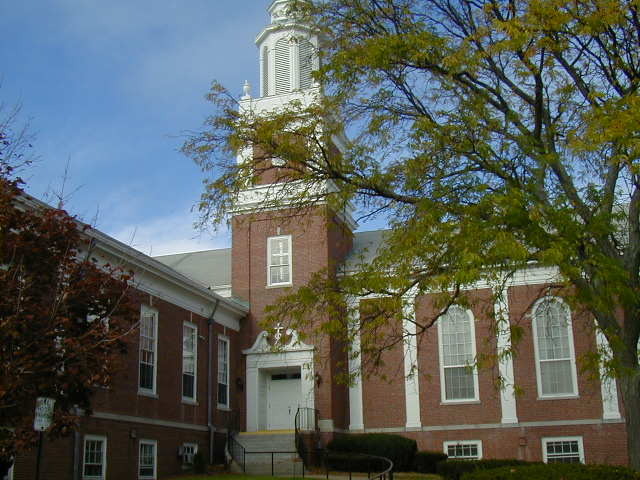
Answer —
630 389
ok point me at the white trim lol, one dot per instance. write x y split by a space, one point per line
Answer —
476 393
146 310
102 439
144 441
572 353
222 406
508 405
356 417
411 375
194 329
451 443
262 358
288 256
148 421
545 440
192 445
608 385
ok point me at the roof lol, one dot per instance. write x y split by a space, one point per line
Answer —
212 268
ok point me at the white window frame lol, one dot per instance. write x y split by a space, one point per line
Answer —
154 443
290 260
221 363
194 329
145 310
443 390
547 440
94 438
185 446
572 352
477 443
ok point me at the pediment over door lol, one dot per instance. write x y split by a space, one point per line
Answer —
283 340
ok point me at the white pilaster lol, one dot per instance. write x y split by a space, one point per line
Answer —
356 418
411 377
505 361
608 387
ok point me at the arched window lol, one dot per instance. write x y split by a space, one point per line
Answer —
553 342
458 375
283 66
265 71
305 62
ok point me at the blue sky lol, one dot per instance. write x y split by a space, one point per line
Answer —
110 87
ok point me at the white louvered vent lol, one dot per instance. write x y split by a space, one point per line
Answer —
283 79
265 71
305 60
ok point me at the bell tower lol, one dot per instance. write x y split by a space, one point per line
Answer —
277 247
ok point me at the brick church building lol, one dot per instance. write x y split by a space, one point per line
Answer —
200 357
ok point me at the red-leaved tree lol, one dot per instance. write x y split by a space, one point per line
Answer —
63 316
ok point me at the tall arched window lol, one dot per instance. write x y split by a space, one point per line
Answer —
283 66
265 71
458 374
553 341
305 62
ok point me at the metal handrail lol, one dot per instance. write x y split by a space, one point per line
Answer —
237 451
306 420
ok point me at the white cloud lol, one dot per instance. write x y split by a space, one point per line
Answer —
170 234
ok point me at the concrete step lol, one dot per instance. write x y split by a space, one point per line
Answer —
267 442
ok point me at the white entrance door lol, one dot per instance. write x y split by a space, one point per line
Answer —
283 398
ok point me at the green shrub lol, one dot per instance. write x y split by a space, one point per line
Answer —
199 463
398 449
454 469
426 462
556 471
354 462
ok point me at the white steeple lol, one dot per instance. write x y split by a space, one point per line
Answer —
288 53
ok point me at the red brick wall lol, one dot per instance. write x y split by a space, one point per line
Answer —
588 405
432 410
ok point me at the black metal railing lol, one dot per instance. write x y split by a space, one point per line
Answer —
237 452
307 436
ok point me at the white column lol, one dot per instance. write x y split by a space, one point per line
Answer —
608 387
356 419
252 388
411 377
505 361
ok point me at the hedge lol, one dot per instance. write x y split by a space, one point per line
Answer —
454 469
355 462
400 450
557 471
426 462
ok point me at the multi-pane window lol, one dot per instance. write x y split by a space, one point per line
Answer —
457 353
188 452
189 356
553 339
148 349
279 259
147 459
563 450
464 450
95 457
223 372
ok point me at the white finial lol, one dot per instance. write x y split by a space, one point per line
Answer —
246 90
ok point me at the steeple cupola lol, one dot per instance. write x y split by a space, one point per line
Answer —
287 53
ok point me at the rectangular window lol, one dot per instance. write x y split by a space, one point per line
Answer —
189 360
562 450
459 381
188 452
464 450
279 260
147 459
94 463
148 349
223 372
